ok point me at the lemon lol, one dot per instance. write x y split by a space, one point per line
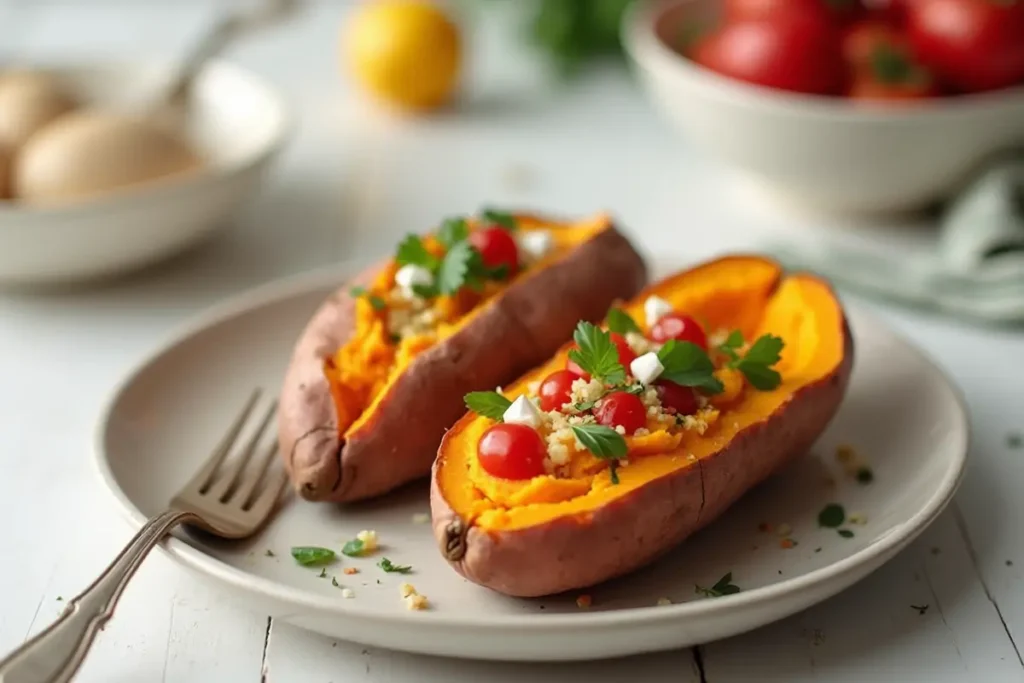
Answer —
405 52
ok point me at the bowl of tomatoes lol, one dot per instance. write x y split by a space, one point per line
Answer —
846 106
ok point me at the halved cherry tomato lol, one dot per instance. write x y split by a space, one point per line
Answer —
681 328
839 11
621 408
862 39
791 51
975 45
512 451
497 248
626 356
677 399
555 389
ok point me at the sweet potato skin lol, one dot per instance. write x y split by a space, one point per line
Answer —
628 533
515 331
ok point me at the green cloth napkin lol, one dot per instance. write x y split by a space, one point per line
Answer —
976 269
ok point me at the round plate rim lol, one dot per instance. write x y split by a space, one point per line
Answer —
323 278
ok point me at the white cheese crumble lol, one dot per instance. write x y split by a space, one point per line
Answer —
522 412
410 275
646 368
347 593
655 308
369 539
407 589
415 602
535 244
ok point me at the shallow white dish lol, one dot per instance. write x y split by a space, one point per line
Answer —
238 124
901 414
825 154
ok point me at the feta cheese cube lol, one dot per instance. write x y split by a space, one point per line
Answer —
409 276
646 368
656 308
523 412
535 244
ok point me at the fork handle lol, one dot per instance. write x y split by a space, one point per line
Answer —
54 654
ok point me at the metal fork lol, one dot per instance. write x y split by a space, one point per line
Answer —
230 499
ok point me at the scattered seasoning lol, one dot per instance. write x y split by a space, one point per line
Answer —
347 593
1015 440
921 609
350 570
60 599
662 602
1009 563
858 518
783 529
421 518
817 550
865 475
392 568
311 556
845 533
724 586
270 553
832 516
334 582
584 601
323 573
787 543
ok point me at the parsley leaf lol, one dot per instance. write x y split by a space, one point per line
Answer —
724 586
453 230
458 268
502 219
412 251
832 516
604 442
353 548
392 568
730 347
757 361
688 365
597 354
311 556
620 322
487 404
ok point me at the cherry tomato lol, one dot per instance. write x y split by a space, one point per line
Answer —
892 12
681 328
975 45
512 451
791 52
862 40
839 11
621 408
677 399
626 356
555 389
497 248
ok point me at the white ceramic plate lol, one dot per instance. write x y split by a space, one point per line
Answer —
901 414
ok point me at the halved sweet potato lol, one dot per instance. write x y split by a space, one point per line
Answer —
361 414
554 532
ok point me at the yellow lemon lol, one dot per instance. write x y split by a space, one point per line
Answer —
406 52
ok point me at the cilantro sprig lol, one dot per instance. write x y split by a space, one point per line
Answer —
620 322
724 586
453 230
392 568
461 266
756 364
489 404
412 251
502 219
597 354
689 365
313 556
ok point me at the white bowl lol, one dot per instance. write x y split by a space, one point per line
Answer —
238 124
823 153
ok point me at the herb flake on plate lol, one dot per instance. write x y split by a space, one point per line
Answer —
313 556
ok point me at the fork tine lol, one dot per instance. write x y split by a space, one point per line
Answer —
225 488
244 493
262 506
204 477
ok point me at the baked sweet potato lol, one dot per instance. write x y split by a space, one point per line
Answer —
380 371
753 366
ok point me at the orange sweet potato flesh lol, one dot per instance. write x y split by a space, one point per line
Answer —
531 538
358 423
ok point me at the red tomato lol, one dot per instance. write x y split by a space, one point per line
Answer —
884 68
497 247
790 52
626 356
975 45
621 408
512 451
555 389
681 328
892 12
677 399
832 10
862 40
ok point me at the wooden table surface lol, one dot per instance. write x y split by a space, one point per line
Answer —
348 185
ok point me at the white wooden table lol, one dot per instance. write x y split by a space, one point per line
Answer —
348 185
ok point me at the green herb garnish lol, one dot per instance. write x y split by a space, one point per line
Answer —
453 230
489 404
311 556
357 291
270 553
323 573
732 344
757 361
392 568
865 475
620 322
502 219
411 251
353 548
377 303
845 533
604 442
334 582
832 516
688 365
596 354
724 586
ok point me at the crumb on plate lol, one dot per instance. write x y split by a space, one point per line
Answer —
584 601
